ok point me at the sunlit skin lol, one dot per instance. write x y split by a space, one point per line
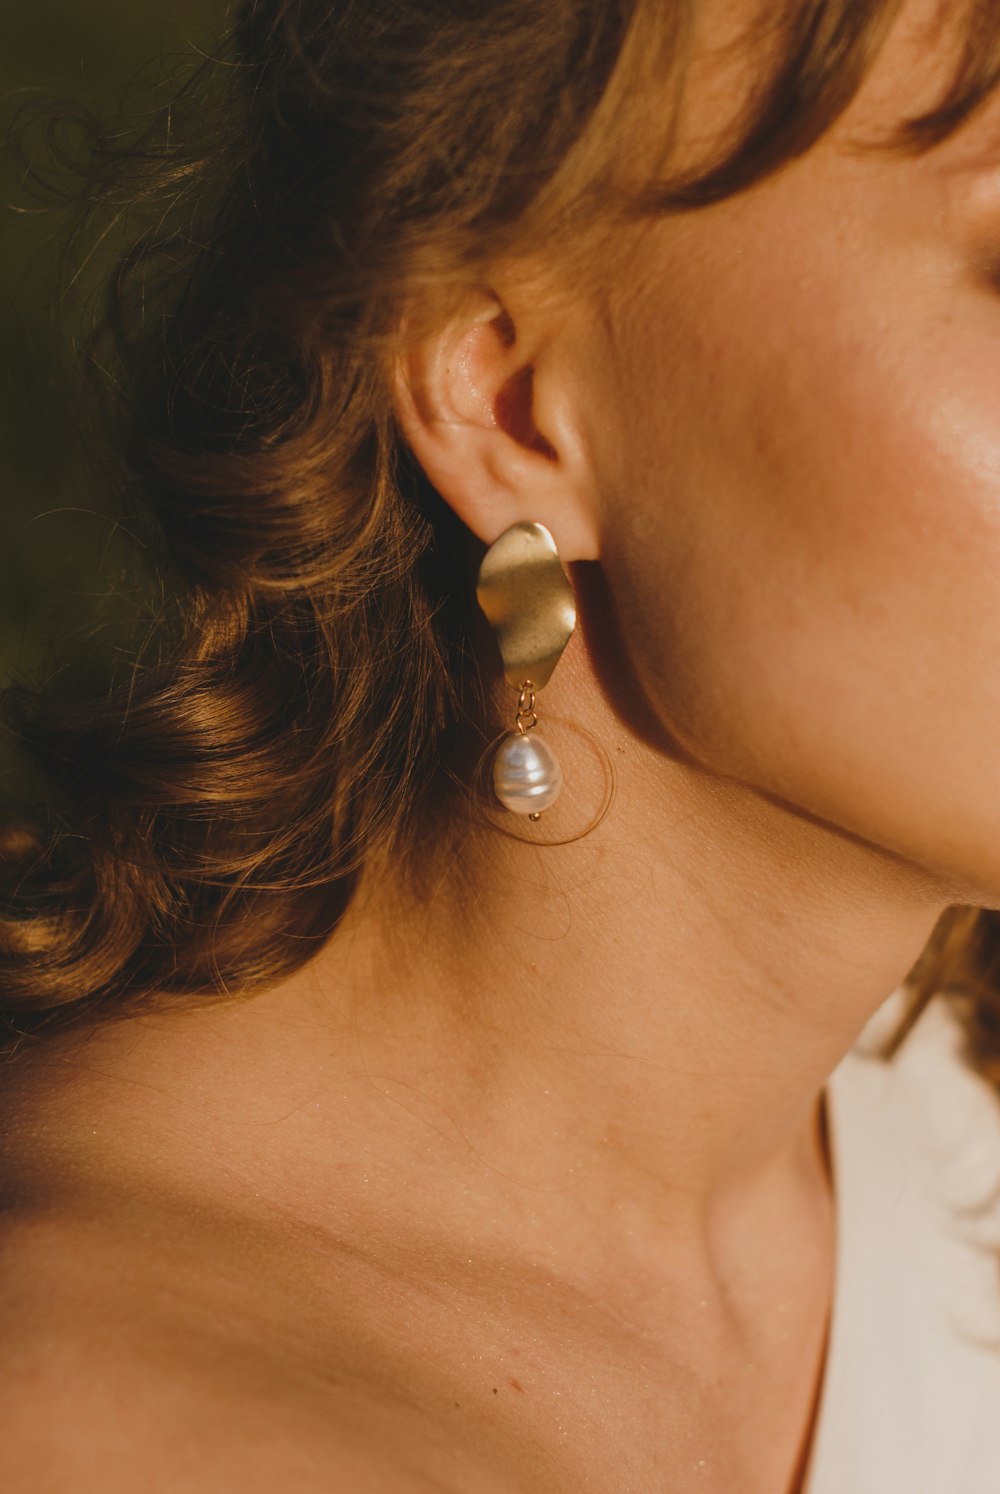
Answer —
526 1190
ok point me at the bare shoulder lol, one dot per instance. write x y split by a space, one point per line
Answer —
107 1385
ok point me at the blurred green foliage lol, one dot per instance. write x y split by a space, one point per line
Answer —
56 530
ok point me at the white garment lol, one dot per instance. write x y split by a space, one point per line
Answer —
909 1405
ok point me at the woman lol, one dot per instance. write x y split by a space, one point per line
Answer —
361 1133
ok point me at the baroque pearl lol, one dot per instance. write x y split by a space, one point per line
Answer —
526 773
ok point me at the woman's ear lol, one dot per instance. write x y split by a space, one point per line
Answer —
495 431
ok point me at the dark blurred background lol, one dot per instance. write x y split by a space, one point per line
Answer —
56 530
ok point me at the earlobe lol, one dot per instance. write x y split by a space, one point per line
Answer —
465 400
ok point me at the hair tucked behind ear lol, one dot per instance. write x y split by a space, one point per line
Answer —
304 710
202 825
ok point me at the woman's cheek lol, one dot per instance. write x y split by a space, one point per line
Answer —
812 578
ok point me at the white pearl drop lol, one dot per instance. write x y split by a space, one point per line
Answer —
526 774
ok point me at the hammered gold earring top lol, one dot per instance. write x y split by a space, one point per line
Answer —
528 599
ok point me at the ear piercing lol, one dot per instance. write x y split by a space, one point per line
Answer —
527 597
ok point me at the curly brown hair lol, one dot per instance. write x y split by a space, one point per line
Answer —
311 698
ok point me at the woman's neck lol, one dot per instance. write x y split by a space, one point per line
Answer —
594 1053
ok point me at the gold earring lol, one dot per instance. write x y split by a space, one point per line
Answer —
528 599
